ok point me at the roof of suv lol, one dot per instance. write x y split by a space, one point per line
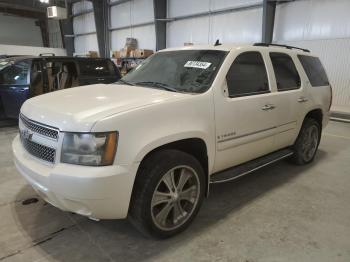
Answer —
230 47
19 58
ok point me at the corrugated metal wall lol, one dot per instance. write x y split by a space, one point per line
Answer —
124 21
84 28
323 26
243 26
23 31
55 36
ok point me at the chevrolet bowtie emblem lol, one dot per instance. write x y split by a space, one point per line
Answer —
26 134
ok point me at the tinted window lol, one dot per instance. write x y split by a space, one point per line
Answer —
247 75
185 71
314 70
16 74
287 76
94 67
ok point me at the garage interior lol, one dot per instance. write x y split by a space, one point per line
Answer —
279 213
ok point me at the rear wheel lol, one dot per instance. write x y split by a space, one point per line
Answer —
168 192
306 145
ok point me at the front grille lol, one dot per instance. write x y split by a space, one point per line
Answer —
39 151
50 132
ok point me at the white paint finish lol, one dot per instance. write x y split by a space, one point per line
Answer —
145 36
85 43
16 30
148 118
237 27
312 19
84 24
234 27
194 30
334 54
30 50
81 7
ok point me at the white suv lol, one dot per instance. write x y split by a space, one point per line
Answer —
149 146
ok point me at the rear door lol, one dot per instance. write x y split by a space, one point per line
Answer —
289 98
244 112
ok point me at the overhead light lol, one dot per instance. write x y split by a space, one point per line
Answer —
44 1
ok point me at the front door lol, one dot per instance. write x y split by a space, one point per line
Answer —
244 113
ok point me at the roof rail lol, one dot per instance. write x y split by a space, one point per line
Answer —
286 46
47 54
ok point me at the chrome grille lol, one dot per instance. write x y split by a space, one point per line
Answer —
43 130
39 151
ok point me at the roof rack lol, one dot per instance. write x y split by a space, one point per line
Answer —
47 54
286 46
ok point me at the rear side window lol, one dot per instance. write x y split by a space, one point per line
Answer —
247 75
94 68
314 70
287 76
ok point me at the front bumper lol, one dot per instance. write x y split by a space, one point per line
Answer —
96 192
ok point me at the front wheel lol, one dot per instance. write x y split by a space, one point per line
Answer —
168 192
306 145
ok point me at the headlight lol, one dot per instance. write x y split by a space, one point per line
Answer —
89 149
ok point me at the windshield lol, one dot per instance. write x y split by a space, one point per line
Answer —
14 74
190 71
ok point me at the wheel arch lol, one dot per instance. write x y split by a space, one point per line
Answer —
195 146
316 114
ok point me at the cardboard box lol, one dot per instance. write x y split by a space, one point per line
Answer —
143 53
125 52
116 54
93 54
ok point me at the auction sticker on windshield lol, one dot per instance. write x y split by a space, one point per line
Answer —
197 64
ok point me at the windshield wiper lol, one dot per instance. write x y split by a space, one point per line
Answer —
125 82
157 84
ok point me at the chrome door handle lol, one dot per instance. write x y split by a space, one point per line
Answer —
268 107
302 99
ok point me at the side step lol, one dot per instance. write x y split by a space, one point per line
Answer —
246 168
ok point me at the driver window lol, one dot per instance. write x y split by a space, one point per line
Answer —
247 75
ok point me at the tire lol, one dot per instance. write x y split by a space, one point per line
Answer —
307 142
156 209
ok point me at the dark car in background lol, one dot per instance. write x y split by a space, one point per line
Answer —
23 77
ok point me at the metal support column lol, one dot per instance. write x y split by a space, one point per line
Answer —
66 26
160 15
42 23
101 13
269 9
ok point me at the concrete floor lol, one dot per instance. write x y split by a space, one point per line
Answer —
280 213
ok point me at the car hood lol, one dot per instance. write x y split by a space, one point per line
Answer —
79 108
